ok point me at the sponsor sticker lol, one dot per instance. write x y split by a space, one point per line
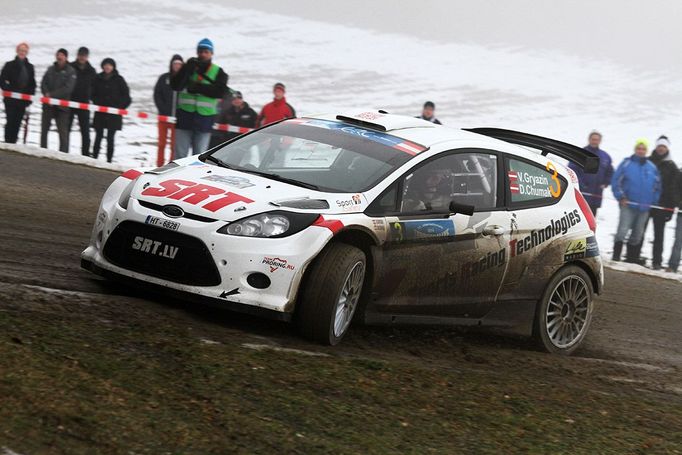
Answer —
581 248
528 182
150 246
422 230
537 237
162 222
276 263
230 180
379 225
208 197
349 204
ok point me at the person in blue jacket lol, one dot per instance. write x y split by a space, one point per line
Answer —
592 185
636 184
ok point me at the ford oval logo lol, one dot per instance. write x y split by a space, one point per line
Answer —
172 211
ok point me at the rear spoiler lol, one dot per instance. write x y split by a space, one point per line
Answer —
586 160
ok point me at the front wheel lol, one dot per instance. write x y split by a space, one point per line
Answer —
331 294
565 311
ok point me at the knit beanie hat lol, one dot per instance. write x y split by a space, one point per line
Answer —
663 140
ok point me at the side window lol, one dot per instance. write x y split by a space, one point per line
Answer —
466 178
531 184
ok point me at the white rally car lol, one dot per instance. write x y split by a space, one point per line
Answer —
387 218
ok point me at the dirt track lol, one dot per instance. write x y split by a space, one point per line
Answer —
47 209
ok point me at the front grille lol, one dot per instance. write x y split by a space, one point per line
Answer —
161 253
191 216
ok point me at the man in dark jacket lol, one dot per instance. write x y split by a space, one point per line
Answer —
238 114
669 196
592 185
82 92
111 90
17 76
202 84
166 99
58 82
674 261
429 113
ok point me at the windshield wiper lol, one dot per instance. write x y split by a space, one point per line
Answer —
280 178
277 177
220 163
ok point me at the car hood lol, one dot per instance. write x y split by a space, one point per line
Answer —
214 192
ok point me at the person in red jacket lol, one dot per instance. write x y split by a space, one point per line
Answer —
276 110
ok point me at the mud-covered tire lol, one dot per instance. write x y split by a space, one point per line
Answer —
564 312
325 285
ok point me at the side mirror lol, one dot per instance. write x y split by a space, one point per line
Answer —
462 209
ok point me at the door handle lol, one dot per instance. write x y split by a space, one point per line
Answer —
493 230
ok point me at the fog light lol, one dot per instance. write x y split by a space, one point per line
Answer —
258 280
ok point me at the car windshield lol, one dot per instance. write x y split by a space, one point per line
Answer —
329 155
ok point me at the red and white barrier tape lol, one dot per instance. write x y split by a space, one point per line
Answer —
599 196
113 110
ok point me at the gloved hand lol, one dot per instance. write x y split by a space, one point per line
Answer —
668 215
192 87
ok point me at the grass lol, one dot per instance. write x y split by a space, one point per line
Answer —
81 375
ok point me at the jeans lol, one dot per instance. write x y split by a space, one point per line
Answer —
84 125
164 128
674 261
634 221
14 111
99 134
184 139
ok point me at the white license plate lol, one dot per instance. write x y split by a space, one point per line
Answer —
162 222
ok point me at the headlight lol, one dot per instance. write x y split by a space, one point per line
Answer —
124 198
270 224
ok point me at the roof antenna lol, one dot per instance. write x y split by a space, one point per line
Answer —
381 111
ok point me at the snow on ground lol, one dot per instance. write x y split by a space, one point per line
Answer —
329 67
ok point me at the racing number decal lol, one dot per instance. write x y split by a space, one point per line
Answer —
555 177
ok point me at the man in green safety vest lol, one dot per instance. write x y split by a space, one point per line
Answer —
201 84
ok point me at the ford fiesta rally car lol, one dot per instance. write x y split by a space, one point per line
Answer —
387 218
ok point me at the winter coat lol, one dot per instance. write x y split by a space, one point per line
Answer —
275 111
110 91
669 179
85 76
430 119
594 184
165 98
216 89
245 117
638 181
18 76
59 83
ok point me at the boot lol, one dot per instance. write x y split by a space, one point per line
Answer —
632 254
617 250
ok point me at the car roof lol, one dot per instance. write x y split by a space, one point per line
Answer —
422 131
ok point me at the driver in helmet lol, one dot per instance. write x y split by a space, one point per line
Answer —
429 190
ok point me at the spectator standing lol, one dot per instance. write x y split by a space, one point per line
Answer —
592 185
429 113
17 76
202 84
111 90
669 196
166 99
636 184
276 110
674 261
238 114
58 82
82 92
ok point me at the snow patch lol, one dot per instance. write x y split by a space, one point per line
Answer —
635 268
640 366
8 451
269 347
61 156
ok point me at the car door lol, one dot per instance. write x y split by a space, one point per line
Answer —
436 263
533 195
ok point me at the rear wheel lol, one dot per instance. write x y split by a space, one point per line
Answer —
331 294
565 311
